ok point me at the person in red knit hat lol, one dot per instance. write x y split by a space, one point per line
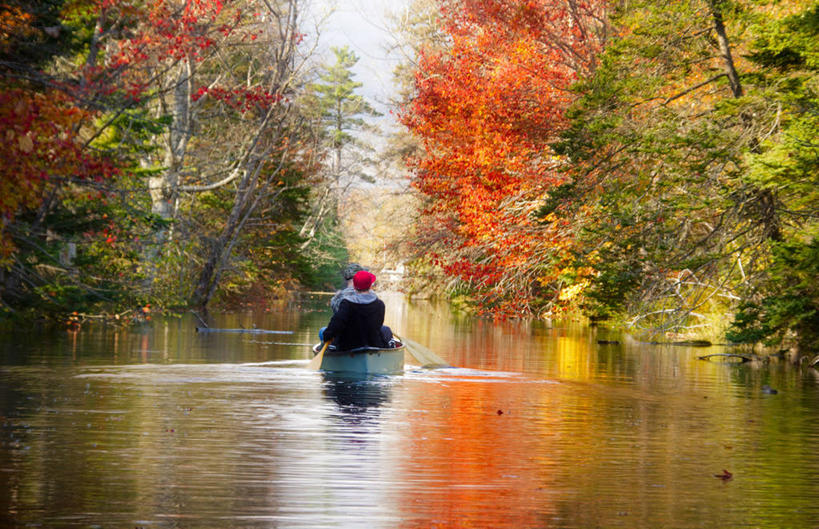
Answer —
359 321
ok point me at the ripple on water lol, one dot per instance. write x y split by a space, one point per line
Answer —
554 432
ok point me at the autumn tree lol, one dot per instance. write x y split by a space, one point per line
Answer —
261 160
486 109
55 174
661 141
107 128
660 174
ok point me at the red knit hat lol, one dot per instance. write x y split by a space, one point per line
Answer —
363 280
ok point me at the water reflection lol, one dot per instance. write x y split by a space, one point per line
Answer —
541 426
356 395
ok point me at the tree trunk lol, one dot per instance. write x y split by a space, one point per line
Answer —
164 187
253 188
725 47
763 202
219 249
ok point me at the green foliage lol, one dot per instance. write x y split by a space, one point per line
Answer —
559 196
617 276
273 253
679 185
789 161
788 303
84 260
327 256
338 106
790 44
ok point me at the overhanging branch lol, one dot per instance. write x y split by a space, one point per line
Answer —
695 87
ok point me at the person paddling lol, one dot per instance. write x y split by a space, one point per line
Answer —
359 321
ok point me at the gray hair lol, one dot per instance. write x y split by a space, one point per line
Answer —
350 270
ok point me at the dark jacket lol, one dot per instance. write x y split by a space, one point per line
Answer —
357 323
341 295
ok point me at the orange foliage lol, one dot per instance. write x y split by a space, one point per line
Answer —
14 24
41 145
486 110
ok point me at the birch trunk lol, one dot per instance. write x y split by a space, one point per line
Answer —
163 188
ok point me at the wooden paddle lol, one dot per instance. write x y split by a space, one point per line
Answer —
422 355
315 363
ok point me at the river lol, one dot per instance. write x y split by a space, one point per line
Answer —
537 426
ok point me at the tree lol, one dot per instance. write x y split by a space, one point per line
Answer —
339 107
785 302
661 140
339 114
485 110
112 141
266 158
55 175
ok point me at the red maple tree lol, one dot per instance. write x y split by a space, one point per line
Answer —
486 110
54 115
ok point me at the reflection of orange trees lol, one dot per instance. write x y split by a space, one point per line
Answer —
464 460
564 353
575 360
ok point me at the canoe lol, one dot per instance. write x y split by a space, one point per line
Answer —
364 360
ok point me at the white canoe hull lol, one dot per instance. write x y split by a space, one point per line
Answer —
365 361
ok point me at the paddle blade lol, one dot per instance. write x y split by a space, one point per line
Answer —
424 356
315 363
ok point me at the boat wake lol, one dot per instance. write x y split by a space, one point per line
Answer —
461 374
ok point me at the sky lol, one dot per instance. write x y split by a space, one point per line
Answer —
363 26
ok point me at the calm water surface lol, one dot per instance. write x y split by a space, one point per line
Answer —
538 426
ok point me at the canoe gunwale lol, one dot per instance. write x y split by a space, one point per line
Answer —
358 350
